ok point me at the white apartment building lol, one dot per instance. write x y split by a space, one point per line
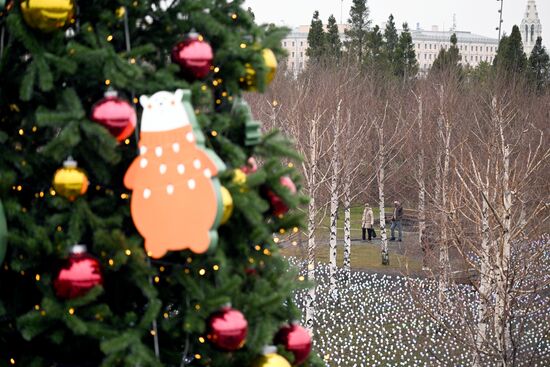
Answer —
473 48
296 45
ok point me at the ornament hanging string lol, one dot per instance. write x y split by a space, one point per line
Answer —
185 360
136 132
2 33
128 49
154 324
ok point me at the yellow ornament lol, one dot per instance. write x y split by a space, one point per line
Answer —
270 62
271 359
120 12
250 81
47 15
239 177
70 181
227 201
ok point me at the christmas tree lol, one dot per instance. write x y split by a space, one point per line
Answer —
142 204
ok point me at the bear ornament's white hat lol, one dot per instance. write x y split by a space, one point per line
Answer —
163 111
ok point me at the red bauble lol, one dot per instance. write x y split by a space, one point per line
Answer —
227 329
296 340
80 274
278 206
194 56
251 166
287 182
115 114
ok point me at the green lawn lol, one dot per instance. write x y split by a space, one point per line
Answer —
356 216
363 257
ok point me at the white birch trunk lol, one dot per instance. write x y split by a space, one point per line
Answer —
311 245
444 264
381 199
347 228
421 188
502 306
333 242
485 281
523 216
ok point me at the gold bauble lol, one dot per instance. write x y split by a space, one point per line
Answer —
47 15
239 177
227 201
249 81
270 62
271 360
70 181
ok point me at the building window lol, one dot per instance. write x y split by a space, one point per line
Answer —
301 54
425 56
425 46
292 53
292 44
430 46
301 43
284 43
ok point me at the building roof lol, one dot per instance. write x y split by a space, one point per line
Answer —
445 36
419 35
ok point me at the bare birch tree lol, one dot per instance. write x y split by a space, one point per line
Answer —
420 179
444 133
516 156
334 199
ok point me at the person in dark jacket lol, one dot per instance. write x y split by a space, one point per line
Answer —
396 221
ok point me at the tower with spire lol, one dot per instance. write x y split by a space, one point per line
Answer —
531 28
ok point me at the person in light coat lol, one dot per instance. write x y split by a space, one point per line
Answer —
367 223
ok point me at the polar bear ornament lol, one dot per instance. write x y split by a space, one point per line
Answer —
176 201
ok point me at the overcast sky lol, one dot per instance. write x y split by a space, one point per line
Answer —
477 16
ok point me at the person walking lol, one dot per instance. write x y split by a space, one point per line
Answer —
367 223
396 221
